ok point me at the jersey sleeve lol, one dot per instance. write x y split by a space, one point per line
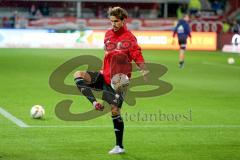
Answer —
175 29
189 31
135 51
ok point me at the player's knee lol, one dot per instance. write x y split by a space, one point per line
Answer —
115 111
83 75
79 74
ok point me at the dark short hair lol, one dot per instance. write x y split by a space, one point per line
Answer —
118 12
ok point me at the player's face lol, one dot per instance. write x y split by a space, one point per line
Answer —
186 18
116 23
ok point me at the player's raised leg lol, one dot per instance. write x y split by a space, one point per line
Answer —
83 80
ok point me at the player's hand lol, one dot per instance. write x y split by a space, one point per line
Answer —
144 73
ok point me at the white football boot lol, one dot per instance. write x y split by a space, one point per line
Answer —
117 150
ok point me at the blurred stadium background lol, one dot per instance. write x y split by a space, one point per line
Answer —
37 36
89 20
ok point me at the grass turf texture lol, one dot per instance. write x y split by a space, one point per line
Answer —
206 94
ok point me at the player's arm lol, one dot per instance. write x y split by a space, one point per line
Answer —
174 33
136 55
189 33
190 39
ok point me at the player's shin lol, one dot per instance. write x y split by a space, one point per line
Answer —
118 128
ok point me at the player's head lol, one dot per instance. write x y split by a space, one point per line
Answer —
186 17
117 16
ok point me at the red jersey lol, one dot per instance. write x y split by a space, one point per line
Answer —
120 47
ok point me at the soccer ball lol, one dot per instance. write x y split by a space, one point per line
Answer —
37 112
119 81
231 60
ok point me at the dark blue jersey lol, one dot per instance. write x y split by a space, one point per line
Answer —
182 29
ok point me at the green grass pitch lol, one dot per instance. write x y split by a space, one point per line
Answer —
206 96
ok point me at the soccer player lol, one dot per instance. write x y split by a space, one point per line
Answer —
183 31
119 43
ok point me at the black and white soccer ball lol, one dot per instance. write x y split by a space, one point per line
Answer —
231 60
119 81
37 112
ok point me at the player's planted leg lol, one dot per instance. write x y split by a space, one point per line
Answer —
181 58
119 129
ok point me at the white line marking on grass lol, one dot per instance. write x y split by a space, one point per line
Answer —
13 118
140 126
221 65
66 126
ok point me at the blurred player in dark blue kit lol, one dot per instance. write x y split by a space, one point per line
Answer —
183 31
